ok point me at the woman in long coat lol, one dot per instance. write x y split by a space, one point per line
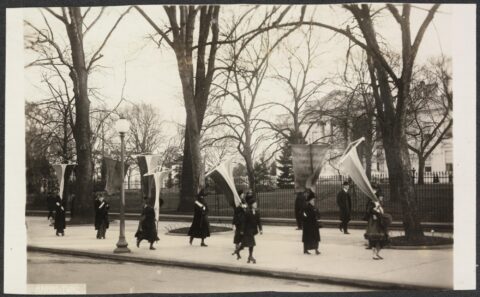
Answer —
147 227
200 227
59 224
101 216
250 226
377 227
238 218
311 234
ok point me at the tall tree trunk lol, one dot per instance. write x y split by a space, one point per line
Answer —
187 187
401 187
250 170
421 169
82 132
368 151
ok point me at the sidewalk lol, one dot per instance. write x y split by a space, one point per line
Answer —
279 253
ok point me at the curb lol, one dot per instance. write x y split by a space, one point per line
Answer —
422 247
242 270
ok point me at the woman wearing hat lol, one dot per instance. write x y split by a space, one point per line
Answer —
250 227
59 224
147 227
101 216
311 234
200 227
238 219
377 227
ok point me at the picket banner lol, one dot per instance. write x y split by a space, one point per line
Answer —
308 160
113 176
350 164
222 175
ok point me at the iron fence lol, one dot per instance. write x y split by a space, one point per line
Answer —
434 198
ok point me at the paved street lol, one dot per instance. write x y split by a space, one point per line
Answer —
109 277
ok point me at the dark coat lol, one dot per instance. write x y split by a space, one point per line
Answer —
238 220
376 233
147 228
200 227
101 214
311 234
250 226
344 202
51 202
59 215
299 203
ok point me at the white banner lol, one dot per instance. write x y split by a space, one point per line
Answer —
351 165
223 177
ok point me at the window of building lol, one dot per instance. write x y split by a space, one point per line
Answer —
428 168
449 167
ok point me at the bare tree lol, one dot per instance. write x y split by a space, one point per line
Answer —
73 59
196 77
242 81
391 92
301 87
356 80
145 128
391 108
429 111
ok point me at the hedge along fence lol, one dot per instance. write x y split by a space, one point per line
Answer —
434 199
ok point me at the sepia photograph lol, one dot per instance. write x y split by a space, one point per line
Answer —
236 148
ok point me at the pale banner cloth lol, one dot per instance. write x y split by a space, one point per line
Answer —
158 178
223 177
308 160
60 173
351 165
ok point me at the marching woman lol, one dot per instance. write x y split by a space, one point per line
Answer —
147 228
250 226
377 227
101 216
200 227
238 218
59 224
311 234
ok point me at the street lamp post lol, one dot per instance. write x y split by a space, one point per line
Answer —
122 126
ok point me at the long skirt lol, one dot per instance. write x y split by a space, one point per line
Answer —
376 234
148 231
237 238
248 240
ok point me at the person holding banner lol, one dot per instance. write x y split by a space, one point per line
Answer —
250 226
147 228
377 227
238 219
299 205
200 227
59 224
101 216
344 202
311 234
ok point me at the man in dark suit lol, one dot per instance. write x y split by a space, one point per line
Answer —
299 206
344 202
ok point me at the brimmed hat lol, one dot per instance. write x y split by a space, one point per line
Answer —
345 183
250 199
